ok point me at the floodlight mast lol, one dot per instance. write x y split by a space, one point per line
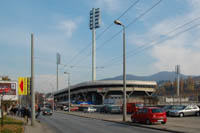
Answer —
94 23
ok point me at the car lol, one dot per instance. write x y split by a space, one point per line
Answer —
149 115
114 109
47 111
99 108
89 109
167 108
66 109
71 109
185 110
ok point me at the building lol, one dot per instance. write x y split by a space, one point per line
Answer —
106 91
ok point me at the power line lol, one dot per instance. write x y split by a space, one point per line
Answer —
85 48
118 18
159 42
116 59
108 27
137 18
78 54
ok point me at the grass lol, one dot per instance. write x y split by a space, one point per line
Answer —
11 126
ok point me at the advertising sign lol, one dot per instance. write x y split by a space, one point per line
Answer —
7 88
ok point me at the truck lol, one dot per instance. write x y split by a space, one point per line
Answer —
133 107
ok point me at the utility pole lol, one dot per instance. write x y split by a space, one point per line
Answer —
32 83
57 62
57 78
53 100
94 23
69 99
177 68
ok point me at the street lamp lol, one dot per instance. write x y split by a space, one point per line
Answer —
117 22
68 90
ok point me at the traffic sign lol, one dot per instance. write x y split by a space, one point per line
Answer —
23 86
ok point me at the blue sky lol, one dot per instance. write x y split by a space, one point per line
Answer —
63 26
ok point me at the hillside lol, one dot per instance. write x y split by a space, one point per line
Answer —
160 76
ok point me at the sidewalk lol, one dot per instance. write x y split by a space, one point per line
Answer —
37 128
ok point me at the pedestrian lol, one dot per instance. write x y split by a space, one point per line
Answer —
22 111
38 112
11 111
26 115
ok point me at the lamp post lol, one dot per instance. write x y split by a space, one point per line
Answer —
124 70
68 90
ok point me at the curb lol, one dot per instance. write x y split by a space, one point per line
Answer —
125 123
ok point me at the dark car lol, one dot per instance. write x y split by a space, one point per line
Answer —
168 108
114 109
47 111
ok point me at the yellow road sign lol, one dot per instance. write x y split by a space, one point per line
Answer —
22 86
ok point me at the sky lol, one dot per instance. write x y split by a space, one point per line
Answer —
159 35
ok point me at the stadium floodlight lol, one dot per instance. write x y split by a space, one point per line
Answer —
94 23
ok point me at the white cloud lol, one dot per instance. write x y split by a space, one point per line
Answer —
182 50
70 26
112 5
175 52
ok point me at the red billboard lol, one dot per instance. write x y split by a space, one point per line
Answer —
8 88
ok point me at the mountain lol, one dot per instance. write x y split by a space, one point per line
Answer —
160 76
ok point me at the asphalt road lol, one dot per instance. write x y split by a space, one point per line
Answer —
63 123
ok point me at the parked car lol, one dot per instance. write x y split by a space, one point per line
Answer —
99 108
149 115
71 109
114 109
47 111
89 109
185 110
82 108
168 108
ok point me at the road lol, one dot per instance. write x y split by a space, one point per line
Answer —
63 123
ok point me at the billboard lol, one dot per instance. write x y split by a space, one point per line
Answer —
8 88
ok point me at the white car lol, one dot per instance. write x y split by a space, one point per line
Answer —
66 109
89 109
185 110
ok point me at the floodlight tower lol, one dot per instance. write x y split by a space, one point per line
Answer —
57 63
94 23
